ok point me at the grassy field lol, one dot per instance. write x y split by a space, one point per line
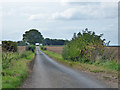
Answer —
15 68
107 72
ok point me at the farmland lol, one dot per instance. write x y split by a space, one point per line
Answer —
21 49
56 49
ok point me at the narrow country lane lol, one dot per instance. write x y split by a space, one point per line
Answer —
47 73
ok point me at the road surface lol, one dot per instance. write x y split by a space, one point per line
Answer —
47 73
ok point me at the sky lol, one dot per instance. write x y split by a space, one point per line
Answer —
59 18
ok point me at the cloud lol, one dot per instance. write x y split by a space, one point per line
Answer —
77 1
84 11
67 14
37 17
88 11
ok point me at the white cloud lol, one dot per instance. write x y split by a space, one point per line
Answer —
67 14
62 1
81 12
89 11
37 17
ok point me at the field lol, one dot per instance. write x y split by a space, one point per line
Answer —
56 49
21 49
114 51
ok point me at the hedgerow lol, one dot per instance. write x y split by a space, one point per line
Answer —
9 46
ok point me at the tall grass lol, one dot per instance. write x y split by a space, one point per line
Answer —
15 68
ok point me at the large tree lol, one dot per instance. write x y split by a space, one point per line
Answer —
32 36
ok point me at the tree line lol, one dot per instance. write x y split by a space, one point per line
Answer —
33 36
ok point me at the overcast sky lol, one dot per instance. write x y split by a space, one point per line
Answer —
59 19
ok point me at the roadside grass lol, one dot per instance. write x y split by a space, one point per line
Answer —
13 76
110 67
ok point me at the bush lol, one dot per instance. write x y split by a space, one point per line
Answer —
9 46
30 48
43 48
84 47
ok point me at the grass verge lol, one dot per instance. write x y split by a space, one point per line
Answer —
13 76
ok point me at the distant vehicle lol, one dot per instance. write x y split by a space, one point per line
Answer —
37 44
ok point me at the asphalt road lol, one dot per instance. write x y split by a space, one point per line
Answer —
47 73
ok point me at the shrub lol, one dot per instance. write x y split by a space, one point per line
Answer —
30 48
84 47
9 46
43 48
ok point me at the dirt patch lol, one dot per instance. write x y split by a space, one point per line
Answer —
56 49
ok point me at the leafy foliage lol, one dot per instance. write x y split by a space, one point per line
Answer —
30 48
9 46
84 47
43 47
32 36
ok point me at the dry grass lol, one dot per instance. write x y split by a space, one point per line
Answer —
56 49
21 49
114 51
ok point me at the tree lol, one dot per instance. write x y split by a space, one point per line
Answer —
32 36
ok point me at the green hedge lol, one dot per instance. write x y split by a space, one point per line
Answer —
9 46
